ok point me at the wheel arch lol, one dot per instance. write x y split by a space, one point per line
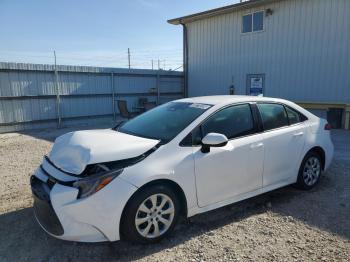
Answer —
166 182
321 152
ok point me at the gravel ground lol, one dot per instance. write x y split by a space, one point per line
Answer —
283 225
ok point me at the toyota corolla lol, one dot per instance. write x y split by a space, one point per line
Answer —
181 158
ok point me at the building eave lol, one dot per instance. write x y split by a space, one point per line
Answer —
218 11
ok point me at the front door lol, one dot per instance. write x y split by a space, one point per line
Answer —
236 168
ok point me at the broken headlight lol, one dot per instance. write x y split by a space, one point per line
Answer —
93 183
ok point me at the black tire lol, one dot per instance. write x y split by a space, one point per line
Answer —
128 228
302 182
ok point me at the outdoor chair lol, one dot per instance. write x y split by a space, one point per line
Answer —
149 105
141 104
142 101
123 109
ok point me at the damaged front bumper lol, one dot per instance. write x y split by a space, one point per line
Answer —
63 215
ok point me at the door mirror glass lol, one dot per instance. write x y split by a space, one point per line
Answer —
213 140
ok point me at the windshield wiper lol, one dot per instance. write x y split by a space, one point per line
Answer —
118 125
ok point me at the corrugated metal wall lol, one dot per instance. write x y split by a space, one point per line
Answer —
28 93
303 52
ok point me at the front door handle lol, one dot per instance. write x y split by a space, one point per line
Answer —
298 134
256 145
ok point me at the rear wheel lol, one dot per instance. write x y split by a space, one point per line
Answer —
150 215
310 171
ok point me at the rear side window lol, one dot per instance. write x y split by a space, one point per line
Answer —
273 115
293 116
234 121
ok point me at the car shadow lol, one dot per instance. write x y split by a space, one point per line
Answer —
19 230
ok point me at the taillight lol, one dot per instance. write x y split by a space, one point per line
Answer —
328 126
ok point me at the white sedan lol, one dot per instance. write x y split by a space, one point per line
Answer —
182 158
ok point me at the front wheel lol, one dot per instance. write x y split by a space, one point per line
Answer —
310 171
150 215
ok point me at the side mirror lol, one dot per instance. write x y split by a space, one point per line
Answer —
213 140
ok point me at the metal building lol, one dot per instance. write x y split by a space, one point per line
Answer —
293 49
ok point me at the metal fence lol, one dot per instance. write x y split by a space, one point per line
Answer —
44 96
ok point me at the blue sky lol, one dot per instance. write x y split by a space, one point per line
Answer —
95 33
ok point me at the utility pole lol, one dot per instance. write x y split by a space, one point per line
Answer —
152 64
158 64
164 64
57 93
129 57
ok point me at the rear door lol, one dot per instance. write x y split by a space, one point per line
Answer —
284 138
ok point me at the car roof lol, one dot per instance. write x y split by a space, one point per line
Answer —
228 99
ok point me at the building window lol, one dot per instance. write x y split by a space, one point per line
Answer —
253 22
247 23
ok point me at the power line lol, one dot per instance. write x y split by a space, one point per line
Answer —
168 60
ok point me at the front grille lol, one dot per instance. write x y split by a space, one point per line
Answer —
43 208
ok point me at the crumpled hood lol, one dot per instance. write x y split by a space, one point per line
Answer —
73 151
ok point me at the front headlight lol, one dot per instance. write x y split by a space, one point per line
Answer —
90 185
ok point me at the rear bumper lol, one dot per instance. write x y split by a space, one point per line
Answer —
93 219
329 155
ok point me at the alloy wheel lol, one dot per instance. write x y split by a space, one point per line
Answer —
154 216
312 170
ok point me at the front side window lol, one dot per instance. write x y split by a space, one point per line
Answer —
272 115
234 121
253 22
164 122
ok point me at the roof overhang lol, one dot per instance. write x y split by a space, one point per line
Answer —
218 11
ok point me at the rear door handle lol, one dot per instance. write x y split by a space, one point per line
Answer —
298 134
256 145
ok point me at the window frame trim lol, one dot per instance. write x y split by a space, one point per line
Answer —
252 14
259 127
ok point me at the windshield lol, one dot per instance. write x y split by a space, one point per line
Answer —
164 122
